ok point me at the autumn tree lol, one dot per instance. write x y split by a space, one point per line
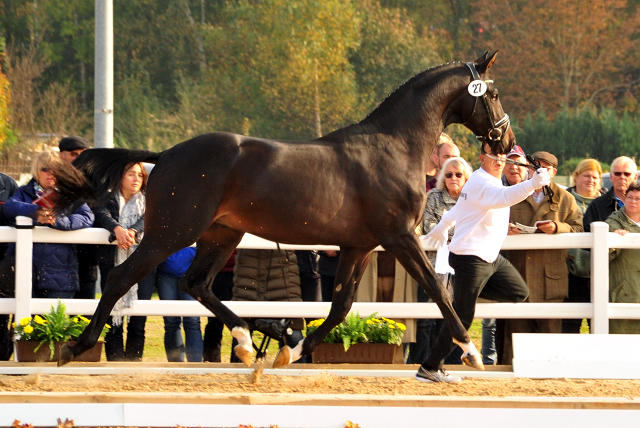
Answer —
282 68
556 54
6 133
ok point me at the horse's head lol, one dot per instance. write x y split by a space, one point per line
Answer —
482 107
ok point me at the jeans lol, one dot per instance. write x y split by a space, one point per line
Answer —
474 278
114 339
174 347
489 352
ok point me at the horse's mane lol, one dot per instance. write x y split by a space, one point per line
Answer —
385 106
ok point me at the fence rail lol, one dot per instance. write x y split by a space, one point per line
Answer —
600 310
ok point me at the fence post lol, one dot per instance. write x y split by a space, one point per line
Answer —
600 278
24 260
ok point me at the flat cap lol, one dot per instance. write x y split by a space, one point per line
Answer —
547 157
73 142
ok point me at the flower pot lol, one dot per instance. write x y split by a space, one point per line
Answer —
25 352
360 353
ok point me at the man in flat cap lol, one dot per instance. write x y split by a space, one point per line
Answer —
71 147
545 271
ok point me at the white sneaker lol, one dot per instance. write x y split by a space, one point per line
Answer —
436 376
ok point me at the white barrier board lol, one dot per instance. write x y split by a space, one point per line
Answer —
576 356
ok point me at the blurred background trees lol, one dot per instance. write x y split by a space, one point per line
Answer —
568 72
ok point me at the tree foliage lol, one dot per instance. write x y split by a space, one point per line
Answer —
6 134
559 54
586 132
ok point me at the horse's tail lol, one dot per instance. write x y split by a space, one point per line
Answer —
104 168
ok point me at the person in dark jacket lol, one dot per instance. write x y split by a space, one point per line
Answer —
8 187
168 276
623 172
267 276
55 266
123 216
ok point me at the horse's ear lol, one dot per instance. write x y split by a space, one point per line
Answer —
484 63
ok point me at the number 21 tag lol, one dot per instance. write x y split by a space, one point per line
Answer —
477 88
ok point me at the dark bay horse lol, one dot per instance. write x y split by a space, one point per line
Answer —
358 187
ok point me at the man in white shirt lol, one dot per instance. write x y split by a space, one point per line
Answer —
481 218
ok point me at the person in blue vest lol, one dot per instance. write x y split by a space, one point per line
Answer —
168 275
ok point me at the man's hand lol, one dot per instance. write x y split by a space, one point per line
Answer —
437 238
549 227
513 230
541 178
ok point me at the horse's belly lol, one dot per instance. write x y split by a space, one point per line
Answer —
289 230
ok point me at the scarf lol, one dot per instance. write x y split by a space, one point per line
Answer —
130 213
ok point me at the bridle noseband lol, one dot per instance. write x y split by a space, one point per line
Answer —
495 133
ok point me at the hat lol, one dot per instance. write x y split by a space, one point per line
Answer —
547 157
72 142
517 150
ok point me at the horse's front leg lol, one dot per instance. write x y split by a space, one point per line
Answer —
353 262
408 251
120 280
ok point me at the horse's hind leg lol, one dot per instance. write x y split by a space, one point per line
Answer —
214 248
353 262
408 251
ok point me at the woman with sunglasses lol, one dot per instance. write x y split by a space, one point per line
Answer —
624 277
55 266
452 177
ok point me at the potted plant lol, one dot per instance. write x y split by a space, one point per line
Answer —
359 340
53 329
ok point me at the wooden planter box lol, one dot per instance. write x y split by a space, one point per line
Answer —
25 352
360 353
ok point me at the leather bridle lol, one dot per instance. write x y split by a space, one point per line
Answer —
497 129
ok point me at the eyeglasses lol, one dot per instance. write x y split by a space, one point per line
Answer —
451 174
632 199
502 158
619 173
43 169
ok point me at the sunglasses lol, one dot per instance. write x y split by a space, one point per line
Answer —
450 174
43 169
619 174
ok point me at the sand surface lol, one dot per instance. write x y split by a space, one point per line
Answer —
317 384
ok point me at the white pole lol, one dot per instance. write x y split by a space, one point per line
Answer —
103 107
24 259
600 278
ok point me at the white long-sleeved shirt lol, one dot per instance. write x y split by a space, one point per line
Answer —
481 215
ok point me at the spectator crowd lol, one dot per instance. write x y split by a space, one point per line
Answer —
533 202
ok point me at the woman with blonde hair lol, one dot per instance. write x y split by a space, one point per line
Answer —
55 266
586 188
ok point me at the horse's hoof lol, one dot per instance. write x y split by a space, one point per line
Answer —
65 355
245 355
283 358
473 360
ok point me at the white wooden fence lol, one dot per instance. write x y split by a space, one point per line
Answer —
600 310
